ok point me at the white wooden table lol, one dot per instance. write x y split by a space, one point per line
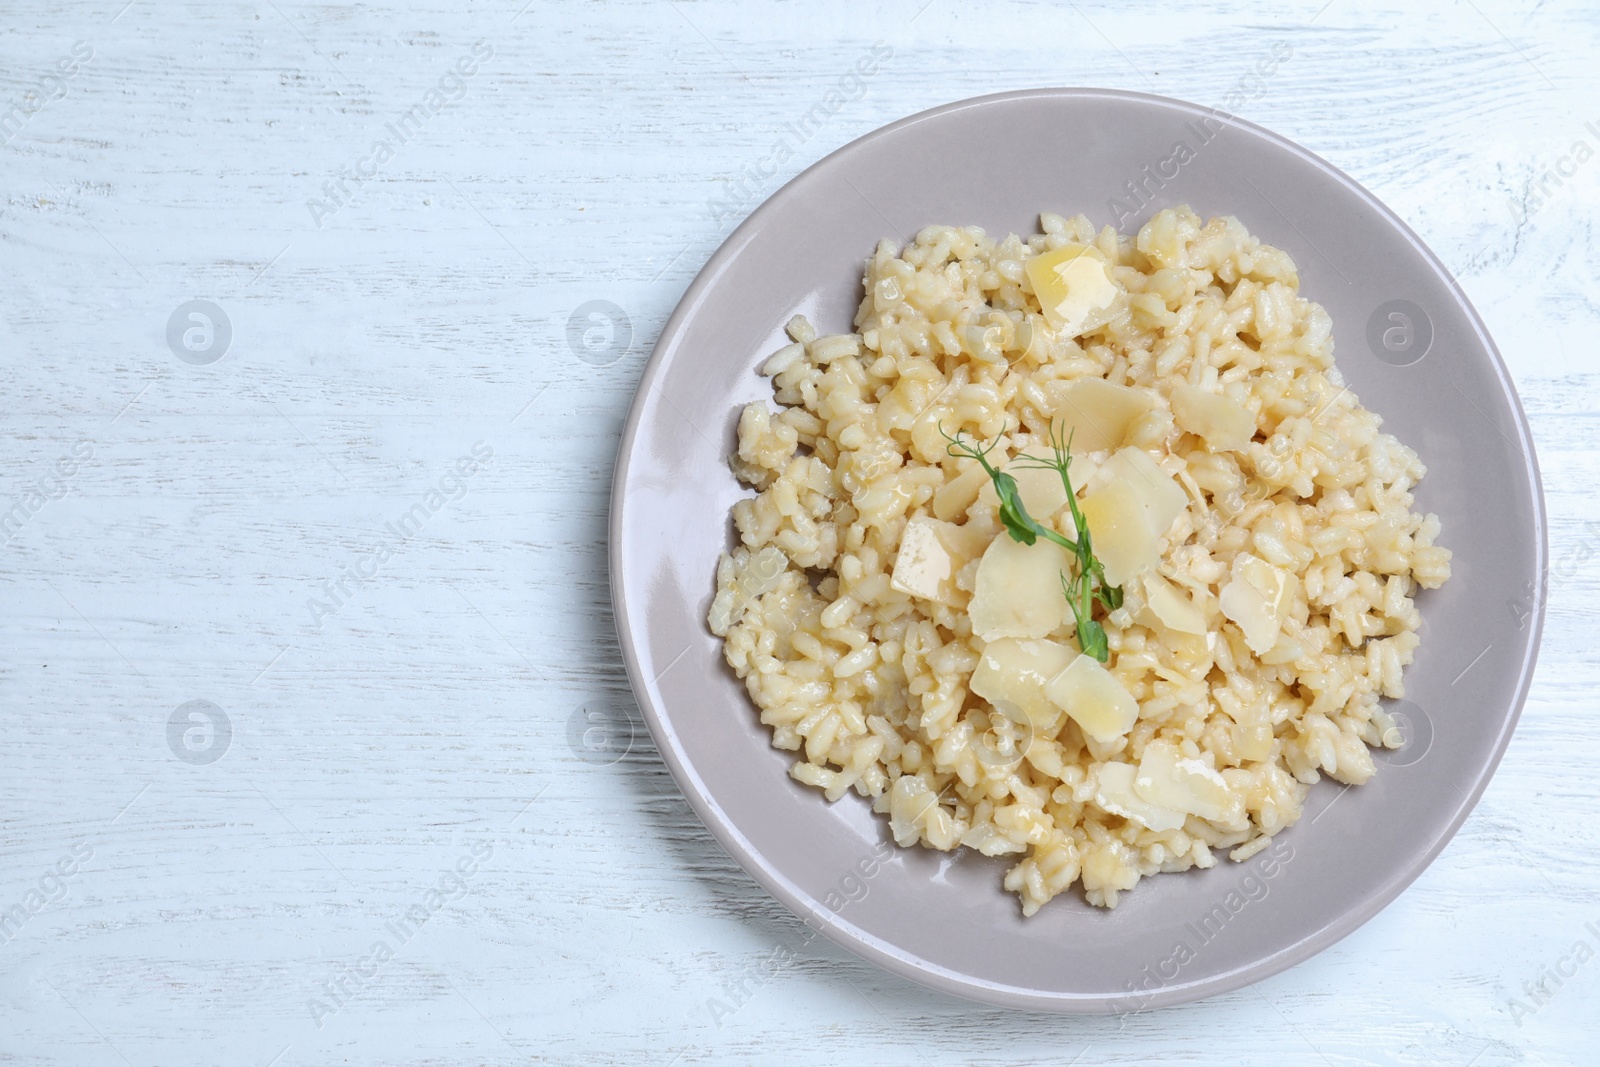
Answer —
417 724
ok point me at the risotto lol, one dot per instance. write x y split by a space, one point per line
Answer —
1253 528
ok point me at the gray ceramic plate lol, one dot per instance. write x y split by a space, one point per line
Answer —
1410 345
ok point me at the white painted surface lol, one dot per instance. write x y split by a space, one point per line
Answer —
430 714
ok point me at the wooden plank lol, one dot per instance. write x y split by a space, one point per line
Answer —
228 912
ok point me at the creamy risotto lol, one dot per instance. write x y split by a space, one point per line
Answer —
1252 527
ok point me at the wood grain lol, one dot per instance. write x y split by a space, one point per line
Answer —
432 713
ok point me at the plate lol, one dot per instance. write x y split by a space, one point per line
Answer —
1406 339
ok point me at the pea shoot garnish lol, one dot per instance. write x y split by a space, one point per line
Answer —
1088 585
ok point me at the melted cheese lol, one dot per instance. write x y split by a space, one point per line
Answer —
1017 590
1224 424
1073 288
1095 700
1012 675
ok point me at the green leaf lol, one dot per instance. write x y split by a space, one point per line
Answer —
1092 639
1013 515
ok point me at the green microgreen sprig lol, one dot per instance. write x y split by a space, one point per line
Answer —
1086 587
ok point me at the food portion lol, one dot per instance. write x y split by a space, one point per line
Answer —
1078 551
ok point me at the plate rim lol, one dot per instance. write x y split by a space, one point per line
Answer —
891 957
